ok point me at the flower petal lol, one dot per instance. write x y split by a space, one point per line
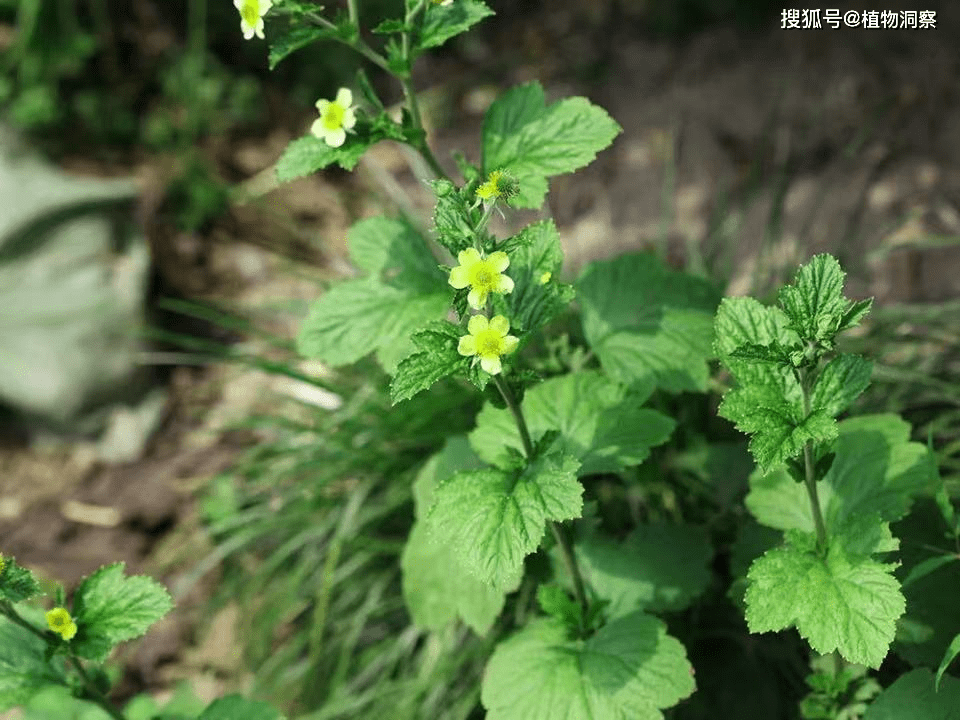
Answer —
344 98
491 364
459 277
265 6
318 129
499 261
349 119
335 138
322 105
258 29
510 344
247 31
504 284
477 298
500 324
467 345
478 323
468 257
238 4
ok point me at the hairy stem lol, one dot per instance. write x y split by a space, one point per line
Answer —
810 478
563 542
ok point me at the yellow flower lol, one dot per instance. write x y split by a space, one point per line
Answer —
499 184
60 622
251 16
545 278
482 275
488 340
336 117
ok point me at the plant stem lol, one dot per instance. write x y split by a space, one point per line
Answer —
810 479
358 44
354 14
95 693
8 611
563 542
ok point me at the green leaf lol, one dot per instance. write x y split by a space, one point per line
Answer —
536 253
453 218
438 359
952 651
915 696
237 707
840 383
492 520
743 323
308 154
443 22
645 321
110 608
815 303
533 141
924 568
56 702
877 470
357 317
17 583
388 27
24 670
600 423
629 670
437 588
841 602
659 567
455 456
853 316
298 32
556 603
393 252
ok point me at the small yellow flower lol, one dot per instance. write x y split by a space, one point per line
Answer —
488 340
545 278
336 117
60 622
499 184
482 275
251 16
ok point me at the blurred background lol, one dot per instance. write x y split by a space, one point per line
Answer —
153 276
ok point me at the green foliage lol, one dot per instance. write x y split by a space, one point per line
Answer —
24 666
645 321
377 313
914 696
599 422
631 668
16 583
535 141
846 601
110 608
444 22
493 518
658 568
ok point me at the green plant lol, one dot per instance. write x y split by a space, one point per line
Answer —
577 524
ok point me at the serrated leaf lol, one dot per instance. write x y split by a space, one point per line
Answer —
853 316
600 423
456 455
555 602
492 520
814 302
437 589
629 670
533 141
299 32
744 322
306 155
110 608
913 695
453 220
843 603
24 670
535 253
644 320
840 382
443 22
357 317
16 582
659 567
237 707
438 359
387 27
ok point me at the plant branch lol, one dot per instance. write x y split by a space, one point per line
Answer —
357 44
94 692
563 542
810 479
